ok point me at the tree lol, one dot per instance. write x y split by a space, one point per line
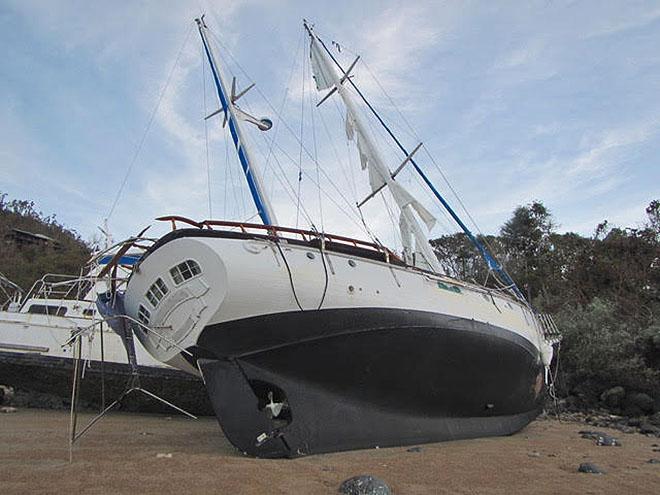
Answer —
527 248
25 264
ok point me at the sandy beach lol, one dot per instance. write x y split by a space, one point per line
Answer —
130 453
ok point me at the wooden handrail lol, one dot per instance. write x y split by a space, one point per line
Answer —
273 230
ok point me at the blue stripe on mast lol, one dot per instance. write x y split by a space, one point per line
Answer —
245 164
493 264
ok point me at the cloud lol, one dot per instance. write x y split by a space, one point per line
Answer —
625 19
593 171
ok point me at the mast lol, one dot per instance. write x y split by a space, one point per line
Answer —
326 77
233 115
491 261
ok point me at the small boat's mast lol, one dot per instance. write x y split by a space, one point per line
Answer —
250 168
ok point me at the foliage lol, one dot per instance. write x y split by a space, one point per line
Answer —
603 290
601 350
25 264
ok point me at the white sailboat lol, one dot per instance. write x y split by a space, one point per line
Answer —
311 342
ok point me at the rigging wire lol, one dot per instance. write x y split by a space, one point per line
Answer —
325 270
485 242
414 134
295 136
398 236
341 208
284 100
342 118
288 269
302 126
291 192
149 123
316 161
206 133
353 190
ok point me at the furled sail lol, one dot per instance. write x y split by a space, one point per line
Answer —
326 77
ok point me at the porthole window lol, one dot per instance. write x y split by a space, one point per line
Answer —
310 256
143 315
156 292
184 271
352 263
89 312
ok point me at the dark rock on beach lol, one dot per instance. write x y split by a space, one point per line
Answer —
648 428
364 485
601 438
588 467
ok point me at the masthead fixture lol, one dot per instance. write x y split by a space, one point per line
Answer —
233 116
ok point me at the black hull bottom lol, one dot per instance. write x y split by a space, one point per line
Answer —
45 382
364 378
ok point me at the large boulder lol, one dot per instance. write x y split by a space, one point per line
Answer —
613 397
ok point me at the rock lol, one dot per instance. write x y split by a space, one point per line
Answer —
649 428
7 409
533 454
613 397
364 485
588 467
6 394
639 401
602 439
624 428
634 422
653 461
654 419
414 449
163 456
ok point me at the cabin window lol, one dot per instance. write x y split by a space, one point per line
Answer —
89 312
184 271
44 309
156 292
143 315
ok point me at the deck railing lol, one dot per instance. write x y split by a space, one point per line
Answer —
275 231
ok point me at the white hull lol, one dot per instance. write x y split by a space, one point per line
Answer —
47 336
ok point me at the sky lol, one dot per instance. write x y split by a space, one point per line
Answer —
557 101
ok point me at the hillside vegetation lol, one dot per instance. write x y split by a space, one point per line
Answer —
24 264
604 294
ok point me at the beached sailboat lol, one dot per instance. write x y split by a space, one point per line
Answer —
312 342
